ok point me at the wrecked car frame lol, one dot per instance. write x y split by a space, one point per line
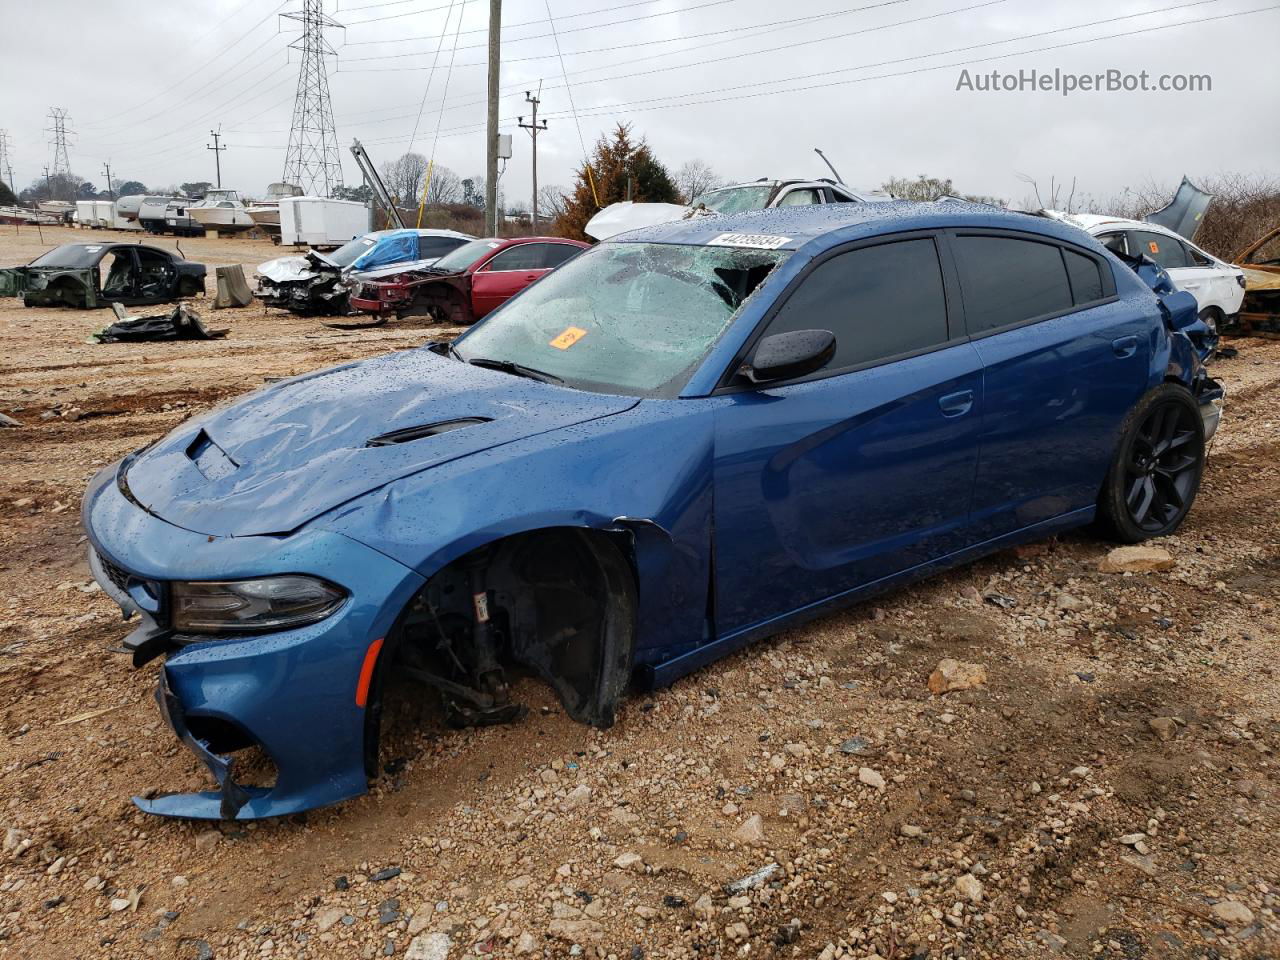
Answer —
71 276
632 469
1260 312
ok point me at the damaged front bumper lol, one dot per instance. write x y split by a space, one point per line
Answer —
293 693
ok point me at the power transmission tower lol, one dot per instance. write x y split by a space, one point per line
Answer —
312 159
534 129
5 162
58 134
217 155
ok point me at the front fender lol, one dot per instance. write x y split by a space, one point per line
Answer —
646 471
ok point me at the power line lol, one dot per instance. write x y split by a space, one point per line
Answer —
505 26
434 60
113 119
673 102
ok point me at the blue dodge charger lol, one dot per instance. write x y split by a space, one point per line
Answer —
685 439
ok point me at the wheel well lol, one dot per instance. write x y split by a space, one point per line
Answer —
560 601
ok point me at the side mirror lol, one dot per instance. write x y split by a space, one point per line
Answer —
785 356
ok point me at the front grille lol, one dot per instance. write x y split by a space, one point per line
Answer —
117 575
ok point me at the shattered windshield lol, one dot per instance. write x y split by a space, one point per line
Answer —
71 255
736 199
346 254
467 254
630 318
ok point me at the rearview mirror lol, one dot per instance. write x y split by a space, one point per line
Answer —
785 356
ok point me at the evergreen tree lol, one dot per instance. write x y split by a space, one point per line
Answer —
617 159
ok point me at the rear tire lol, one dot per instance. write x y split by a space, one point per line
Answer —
1155 473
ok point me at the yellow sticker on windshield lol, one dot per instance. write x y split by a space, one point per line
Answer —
568 338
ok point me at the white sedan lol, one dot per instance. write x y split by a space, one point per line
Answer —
1217 286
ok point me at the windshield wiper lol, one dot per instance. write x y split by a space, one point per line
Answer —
517 369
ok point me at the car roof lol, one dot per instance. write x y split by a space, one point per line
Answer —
846 221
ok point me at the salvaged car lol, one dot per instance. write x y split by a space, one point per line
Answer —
468 283
91 275
680 442
319 284
1217 286
1260 312
736 198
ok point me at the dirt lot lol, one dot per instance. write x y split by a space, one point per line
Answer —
1043 813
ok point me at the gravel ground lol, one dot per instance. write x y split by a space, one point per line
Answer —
1105 785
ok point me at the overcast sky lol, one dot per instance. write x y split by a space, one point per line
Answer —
144 80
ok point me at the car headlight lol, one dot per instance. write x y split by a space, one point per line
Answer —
252 606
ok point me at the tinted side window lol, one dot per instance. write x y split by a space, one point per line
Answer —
525 256
1086 280
1005 281
430 248
555 254
879 302
1165 251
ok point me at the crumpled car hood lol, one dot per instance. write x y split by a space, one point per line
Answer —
282 456
288 269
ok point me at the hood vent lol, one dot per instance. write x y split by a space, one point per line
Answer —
409 434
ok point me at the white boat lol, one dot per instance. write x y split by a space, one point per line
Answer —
151 212
127 207
266 213
222 211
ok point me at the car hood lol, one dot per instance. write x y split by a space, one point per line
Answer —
278 458
290 269
392 269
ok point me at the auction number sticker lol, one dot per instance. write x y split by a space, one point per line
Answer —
566 339
757 241
1153 247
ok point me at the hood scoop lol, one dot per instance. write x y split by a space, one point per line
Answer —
409 434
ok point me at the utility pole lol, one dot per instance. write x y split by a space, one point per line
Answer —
110 190
534 129
217 155
491 127
48 182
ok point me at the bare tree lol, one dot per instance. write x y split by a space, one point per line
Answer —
445 186
551 202
696 178
403 178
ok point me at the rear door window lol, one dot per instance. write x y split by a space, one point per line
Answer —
430 248
880 302
1085 277
1166 251
554 254
1006 281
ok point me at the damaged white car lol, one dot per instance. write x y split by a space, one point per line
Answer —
319 284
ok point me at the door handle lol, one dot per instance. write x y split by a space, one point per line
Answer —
1125 347
956 404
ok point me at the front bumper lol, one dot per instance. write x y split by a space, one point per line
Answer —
293 692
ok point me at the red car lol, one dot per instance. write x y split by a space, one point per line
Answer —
466 283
